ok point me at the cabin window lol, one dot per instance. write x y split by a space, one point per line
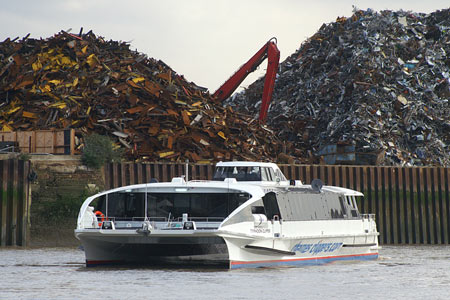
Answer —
197 205
343 208
123 205
267 174
239 173
131 206
280 175
299 206
352 204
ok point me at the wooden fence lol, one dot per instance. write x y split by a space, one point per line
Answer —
15 201
41 141
412 204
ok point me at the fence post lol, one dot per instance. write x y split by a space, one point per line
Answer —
4 198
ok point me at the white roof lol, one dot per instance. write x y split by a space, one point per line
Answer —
341 190
245 164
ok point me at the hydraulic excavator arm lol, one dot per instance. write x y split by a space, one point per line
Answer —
269 51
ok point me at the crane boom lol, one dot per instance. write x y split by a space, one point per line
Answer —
269 51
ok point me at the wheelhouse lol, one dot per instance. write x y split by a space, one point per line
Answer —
246 171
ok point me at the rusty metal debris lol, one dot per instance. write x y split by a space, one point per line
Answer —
377 81
85 82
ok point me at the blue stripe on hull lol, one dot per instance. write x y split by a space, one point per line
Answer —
301 261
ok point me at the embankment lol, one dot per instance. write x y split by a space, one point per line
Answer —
61 185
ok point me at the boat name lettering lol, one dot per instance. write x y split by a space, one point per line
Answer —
260 230
316 248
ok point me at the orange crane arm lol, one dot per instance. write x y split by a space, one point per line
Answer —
269 51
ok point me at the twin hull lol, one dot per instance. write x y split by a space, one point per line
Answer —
231 249
267 222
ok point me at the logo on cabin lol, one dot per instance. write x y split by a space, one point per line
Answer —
316 248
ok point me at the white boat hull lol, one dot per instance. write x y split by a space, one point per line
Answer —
215 248
245 253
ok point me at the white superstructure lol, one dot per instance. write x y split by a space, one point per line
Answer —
248 216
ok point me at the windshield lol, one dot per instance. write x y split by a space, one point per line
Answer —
240 173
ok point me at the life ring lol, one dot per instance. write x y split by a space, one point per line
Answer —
99 213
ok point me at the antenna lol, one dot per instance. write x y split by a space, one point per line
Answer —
187 170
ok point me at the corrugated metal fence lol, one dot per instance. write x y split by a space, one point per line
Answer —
15 201
412 204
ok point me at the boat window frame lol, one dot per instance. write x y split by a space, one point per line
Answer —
271 174
280 175
264 175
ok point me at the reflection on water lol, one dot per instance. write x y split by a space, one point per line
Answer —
401 272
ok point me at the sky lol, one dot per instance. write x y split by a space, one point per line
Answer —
204 40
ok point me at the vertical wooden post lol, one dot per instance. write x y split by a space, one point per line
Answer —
376 177
369 193
164 173
398 204
156 171
447 200
442 215
349 177
304 180
148 174
4 198
434 208
406 215
115 175
392 206
314 173
202 172
15 201
361 189
382 209
193 172
131 172
412 189
140 178
172 171
25 202
210 172
426 206
107 175
420 206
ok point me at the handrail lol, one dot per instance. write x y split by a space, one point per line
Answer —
368 216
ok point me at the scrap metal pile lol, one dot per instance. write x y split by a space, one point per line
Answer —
377 81
84 82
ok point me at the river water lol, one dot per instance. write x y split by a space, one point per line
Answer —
401 272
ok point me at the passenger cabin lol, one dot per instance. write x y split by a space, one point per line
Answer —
209 204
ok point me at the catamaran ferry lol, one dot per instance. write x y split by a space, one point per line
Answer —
249 215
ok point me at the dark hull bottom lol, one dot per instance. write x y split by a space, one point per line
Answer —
163 262
206 252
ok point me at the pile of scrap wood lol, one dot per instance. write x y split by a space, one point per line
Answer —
84 82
